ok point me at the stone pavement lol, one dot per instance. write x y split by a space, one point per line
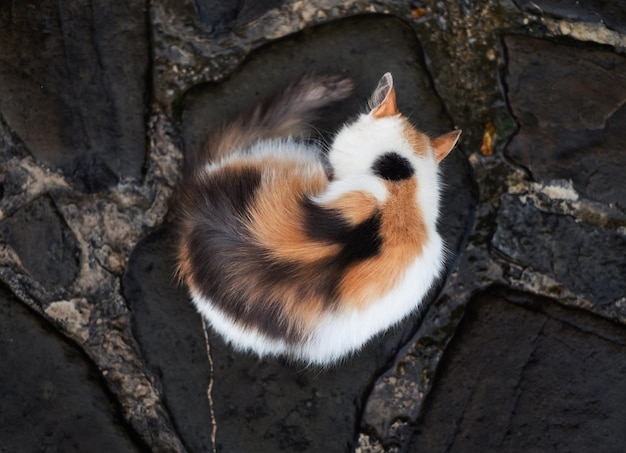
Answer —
523 345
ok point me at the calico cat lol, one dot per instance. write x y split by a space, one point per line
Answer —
284 256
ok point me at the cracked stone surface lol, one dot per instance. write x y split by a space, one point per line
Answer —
538 388
610 13
56 400
523 346
81 68
596 277
582 139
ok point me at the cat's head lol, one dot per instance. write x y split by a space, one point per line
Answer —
383 143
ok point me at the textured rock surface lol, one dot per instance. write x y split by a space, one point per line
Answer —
563 249
54 260
571 106
97 105
51 399
72 86
523 374
612 14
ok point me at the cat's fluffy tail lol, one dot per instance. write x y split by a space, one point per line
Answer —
288 114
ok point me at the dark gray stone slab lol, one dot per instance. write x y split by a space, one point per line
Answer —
72 85
51 398
570 102
528 377
46 246
586 259
610 13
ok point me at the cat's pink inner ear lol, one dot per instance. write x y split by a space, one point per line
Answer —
444 144
383 100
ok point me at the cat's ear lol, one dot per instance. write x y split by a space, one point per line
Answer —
444 144
383 100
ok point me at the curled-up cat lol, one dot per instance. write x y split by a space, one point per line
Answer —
284 256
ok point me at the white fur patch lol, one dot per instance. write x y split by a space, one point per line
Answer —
341 333
244 339
357 146
366 183
338 333
285 149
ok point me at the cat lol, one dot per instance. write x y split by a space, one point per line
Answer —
289 252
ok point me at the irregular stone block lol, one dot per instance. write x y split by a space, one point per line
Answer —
586 259
72 85
529 377
46 246
570 103
52 400
211 18
613 14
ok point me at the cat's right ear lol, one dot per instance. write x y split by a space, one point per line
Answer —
383 100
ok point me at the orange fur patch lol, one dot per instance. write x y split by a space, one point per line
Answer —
404 235
418 141
355 206
276 216
388 107
444 144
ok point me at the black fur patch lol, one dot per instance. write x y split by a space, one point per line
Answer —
358 242
393 167
224 260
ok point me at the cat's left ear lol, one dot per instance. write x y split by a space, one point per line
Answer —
444 144
383 100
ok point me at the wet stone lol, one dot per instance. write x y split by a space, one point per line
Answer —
585 259
524 374
46 246
72 86
570 102
612 14
52 399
